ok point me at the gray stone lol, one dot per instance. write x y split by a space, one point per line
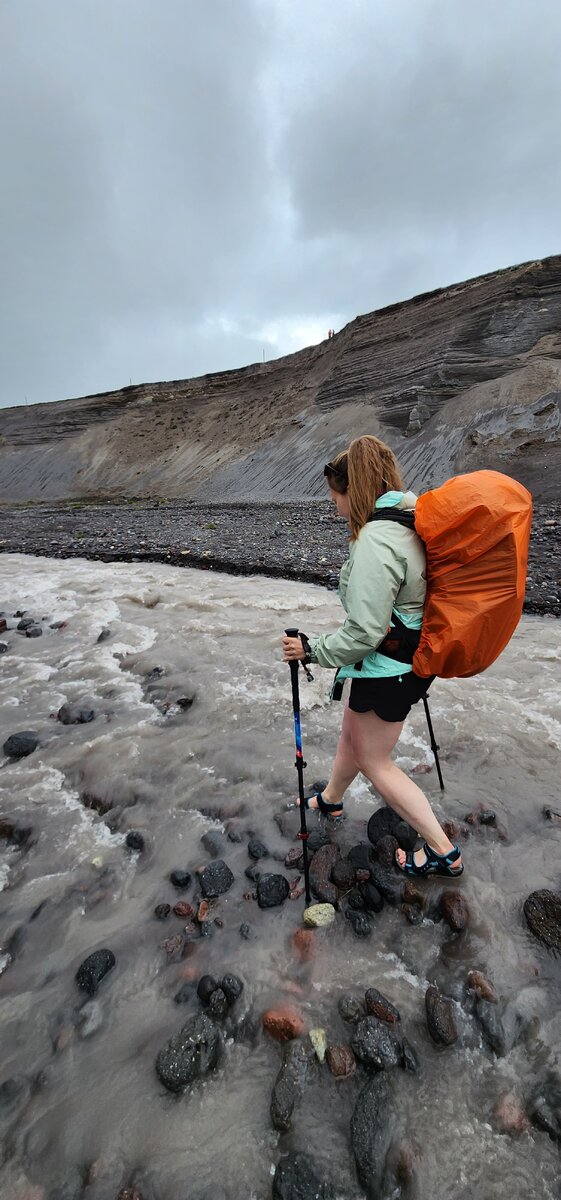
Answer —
289 1084
371 1132
191 1054
296 1178
543 913
216 879
376 1047
93 969
19 745
272 890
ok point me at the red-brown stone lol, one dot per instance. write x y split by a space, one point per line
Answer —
341 1061
482 987
183 909
455 911
283 1023
303 941
509 1116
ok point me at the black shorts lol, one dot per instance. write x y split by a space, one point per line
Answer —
390 698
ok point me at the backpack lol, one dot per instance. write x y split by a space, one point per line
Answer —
476 530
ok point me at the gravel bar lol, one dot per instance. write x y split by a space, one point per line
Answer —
296 540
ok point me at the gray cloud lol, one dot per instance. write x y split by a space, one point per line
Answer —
184 184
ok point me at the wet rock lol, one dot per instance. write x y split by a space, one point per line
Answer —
294 858
173 947
253 872
377 1005
318 1039
545 1106
206 986
303 941
361 856
385 821
320 874
487 817
203 910
317 839
387 881
412 914
490 1020
455 911
34 631
543 914
283 1023
216 879
25 623
257 849
191 1054
186 992
75 714
90 1018
246 932
355 900
102 637
162 911
93 969
482 987
272 890
3 625
296 1178
99 804
183 909
409 1057
509 1116
412 894
319 915
14 1096
351 1009
385 850
19 745
213 841
343 874
14 834
371 1125
372 898
218 1004
375 1045
135 840
341 1061
181 879
232 986
3 647
289 1084
440 1017
359 922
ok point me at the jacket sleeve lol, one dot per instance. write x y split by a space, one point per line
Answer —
376 576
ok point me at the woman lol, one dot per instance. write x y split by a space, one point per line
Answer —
382 585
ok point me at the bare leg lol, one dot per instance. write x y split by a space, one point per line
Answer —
372 741
344 768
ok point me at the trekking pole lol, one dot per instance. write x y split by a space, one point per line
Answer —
434 746
300 766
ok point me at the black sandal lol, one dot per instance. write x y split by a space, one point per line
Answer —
434 864
324 807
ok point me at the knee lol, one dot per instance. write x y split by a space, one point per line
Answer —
376 771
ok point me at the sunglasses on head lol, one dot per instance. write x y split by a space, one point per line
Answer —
329 469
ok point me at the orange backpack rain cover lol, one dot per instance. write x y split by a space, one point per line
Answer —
476 530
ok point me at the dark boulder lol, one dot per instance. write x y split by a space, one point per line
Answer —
162 911
206 986
232 986
19 745
3 647
320 874
361 856
440 1017
257 849
191 1054
25 623
181 879
545 1106
93 969
372 899
216 879
371 1132
343 874
387 881
359 922
218 1004
75 714
34 631
290 1083
105 633
272 890
351 1009
213 841
377 1005
385 849
385 821
454 909
135 840
376 1047
543 914
409 1058
296 1178
317 839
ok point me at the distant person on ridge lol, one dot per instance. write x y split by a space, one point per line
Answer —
383 579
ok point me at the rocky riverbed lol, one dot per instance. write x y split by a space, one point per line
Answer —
304 541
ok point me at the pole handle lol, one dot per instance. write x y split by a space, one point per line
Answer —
291 632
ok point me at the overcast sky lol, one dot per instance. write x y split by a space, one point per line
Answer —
188 183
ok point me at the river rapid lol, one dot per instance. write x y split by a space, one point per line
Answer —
88 1114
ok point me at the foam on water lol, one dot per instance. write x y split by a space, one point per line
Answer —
228 760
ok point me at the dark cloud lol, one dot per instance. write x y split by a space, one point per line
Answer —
185 184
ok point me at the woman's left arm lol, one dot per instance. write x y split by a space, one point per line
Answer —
376 576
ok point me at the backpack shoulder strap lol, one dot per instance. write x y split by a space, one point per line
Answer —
394 514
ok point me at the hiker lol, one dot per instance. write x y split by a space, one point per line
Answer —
382 583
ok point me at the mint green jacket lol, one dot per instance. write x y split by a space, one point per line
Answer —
384 573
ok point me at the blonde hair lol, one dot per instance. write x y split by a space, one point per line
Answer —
364 471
